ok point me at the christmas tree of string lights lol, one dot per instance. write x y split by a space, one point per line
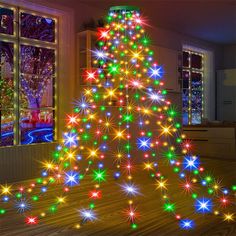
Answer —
123 117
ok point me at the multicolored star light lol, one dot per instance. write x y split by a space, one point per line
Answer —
124 114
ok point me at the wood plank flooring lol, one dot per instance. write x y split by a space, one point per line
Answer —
153 220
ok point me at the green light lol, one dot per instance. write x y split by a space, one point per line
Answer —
164 92
53 209
85 137
210 191
18 195
81 176
177 125
134 226
39 181
178 140
194 195
104 137
76 110
156 82
170 155
66 164
35 198
2 211
127 147
169 207
91 205
234 187
208 179
176 169
128 117
84 120
99 175
196 172
102 108
149 134
90 162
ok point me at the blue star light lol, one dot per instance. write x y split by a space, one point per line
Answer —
156 72
155 96
71 178
130 189
186 224
70 139
203 205
88 215
144 143
22 205
191 163
83 105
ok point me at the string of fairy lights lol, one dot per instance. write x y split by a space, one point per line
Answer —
123 117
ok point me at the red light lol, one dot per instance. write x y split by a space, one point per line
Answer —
95 194
31 220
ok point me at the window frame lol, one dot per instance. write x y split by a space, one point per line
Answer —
17 41
189 69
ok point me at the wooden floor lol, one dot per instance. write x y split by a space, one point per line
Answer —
153 220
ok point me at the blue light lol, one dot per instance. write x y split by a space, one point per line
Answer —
182 175
203 205
191 163
79 157
116 175
22 205
87 215
100 165
5 198
144 143
44 173
71 178
130 189
156 72
70 139
186 224
155 97
44 189
83 105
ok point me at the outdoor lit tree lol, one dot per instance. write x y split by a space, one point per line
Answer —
124 119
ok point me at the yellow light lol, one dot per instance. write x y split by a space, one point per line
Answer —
61 199
148 166
48 165
161 184
77 226
229 217
5 190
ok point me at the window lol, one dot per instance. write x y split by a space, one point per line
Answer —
192 87
28 56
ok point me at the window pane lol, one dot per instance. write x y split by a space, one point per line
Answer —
36 126
185 59
196 81
37 27
186 79
6 21
36 80
7 127
196 61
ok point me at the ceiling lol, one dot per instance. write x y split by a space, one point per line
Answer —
210 20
